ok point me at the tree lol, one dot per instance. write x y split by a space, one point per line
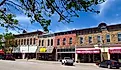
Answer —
41 10
9 41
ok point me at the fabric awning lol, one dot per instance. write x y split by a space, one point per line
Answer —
45 50
1 52
88 51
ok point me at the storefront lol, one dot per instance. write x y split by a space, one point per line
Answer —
28 51
115 53
65 52
16 53
46 53
88 55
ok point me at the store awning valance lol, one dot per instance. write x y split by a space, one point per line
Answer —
88 51
45 50
112 51
1 51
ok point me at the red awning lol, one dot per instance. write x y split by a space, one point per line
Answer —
1 52
89 51
112 51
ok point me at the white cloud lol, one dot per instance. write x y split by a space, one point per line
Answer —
103 6
22 18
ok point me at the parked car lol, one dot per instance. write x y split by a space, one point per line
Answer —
1 57
109 64
67 60
9 57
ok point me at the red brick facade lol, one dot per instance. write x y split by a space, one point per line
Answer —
67 36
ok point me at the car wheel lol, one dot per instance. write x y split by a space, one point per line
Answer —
99 65
72 64
109 67
62 63
117 67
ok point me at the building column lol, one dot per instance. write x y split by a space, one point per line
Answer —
56 56
108 55
23 55
76 57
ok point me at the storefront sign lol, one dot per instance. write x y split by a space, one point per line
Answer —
43 49
114 51
88 51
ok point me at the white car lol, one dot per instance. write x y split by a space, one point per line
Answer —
67 60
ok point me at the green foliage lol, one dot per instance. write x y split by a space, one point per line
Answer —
41 10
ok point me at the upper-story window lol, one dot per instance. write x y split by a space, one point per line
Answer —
98 39
90 39
70 40
48 42
24 41
39 42
16 42
81 40
64 41
31 41
42 42
58 41
51 42
107 38
27 41
119 36
21 41
34 41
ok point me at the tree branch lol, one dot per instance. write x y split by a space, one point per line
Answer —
2 2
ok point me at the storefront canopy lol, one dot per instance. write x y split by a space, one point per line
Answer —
88 51
45 50
1 51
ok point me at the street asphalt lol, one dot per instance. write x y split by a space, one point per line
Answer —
44 65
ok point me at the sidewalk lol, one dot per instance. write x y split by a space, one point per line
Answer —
55 62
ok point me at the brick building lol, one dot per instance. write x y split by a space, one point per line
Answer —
26 44
65 43
46 50
99 43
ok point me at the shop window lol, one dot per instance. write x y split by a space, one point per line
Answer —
107 38
34 41
90 39
24 41
58 41
42 42
119 36
48 42
81 40
70 40
51 42
31 41
98 39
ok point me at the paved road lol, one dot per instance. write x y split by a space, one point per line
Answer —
25 65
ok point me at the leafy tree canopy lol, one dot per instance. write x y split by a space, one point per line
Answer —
41 11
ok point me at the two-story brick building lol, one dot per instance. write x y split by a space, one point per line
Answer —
26 44
99 43
65 43
46 50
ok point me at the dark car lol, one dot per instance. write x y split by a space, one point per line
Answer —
109 64
1 56
9 57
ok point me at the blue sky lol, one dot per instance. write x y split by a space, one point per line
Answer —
110 12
